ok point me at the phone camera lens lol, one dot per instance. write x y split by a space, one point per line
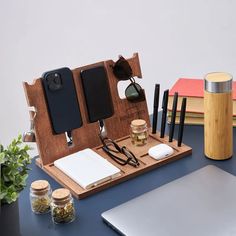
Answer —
54 81
57 79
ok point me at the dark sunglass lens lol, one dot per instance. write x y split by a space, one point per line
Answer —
122 69
132 92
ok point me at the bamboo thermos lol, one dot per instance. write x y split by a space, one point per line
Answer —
218 116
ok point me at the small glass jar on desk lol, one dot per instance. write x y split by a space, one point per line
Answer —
40 196
139 132
62 206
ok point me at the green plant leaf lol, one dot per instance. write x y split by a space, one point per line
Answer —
2 158
2 195
14 162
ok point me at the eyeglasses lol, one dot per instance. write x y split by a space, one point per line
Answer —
112 148
123 71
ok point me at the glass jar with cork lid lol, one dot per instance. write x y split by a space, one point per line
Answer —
139 132
40 196
62 206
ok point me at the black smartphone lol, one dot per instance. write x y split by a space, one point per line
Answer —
97 93
62 101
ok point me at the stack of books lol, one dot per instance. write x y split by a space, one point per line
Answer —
193 90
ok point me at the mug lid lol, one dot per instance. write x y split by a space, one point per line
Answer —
218 82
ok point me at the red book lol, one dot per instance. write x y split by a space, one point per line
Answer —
188 88
193 89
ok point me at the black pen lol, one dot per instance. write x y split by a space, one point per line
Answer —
181 121
164 112
155 108
173 117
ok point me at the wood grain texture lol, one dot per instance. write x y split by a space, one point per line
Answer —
52 147
127 172
218 120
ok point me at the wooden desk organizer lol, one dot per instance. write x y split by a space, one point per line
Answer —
52 147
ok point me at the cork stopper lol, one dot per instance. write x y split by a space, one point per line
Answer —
138 123
40 187
61 196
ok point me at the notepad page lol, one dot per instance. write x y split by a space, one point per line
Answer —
87 168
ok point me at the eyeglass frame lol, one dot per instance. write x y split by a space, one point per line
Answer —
131 158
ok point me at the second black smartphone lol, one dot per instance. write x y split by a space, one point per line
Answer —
62 101
97 93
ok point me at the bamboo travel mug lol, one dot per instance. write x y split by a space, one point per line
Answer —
218 116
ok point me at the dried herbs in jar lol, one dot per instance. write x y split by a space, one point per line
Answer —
40 196
139 132
62 206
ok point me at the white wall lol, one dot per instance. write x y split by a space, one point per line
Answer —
183 38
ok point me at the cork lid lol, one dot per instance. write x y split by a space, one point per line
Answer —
138 123
61 195
218 82
40 186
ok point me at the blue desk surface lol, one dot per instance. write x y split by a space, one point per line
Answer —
89 221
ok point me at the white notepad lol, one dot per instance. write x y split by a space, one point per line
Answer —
87 168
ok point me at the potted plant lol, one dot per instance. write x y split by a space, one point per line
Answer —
14 161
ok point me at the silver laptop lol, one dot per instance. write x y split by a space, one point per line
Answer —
202 203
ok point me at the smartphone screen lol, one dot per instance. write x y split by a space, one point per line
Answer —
97 93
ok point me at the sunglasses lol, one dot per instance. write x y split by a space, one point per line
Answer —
123 71
112 149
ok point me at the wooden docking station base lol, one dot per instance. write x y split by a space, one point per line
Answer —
52 147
